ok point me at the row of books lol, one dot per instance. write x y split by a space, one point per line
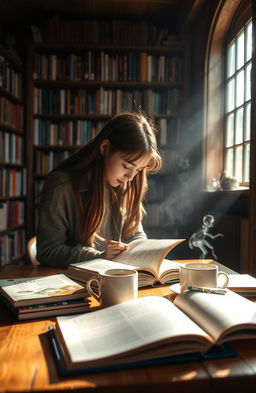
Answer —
12 213
11 114
11 148
38 297
105 101
103 66
45 161
76 132
12 246
112 31
12 182
10 79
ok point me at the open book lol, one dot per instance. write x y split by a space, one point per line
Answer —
37 290
154 328
37 297
244 284
145 255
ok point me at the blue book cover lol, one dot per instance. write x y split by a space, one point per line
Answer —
222 351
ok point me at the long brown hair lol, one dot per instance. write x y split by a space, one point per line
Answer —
133 135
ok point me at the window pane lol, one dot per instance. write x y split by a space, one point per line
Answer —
231 60
239 163
249 42
229 162
230 130
240 50
239 126
238 105
231 95
248 82
247 162
247 133
240 88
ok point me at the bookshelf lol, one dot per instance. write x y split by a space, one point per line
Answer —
12 160
83 72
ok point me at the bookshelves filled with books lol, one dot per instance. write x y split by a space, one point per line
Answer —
85 71
12 166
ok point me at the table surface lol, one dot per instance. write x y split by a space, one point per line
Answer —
27 362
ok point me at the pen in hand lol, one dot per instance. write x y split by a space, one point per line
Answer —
219 291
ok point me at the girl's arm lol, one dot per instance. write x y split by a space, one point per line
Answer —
60 226
140 234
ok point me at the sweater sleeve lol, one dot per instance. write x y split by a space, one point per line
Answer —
140 234
54 247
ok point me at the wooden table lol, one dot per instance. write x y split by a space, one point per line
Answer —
27 363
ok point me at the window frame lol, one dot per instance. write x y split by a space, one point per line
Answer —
236 29
229 17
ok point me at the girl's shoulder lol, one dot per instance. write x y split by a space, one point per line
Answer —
61 179
58 178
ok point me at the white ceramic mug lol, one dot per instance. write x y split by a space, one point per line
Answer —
202 275
114 286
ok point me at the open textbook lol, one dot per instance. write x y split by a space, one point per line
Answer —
244 284
153 328
145 255
40 290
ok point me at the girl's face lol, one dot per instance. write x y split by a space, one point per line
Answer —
118 170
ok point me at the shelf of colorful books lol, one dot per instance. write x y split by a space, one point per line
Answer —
12 214
84 72
12 245
106 101
13 177
12 182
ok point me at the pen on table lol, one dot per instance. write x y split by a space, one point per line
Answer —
220 291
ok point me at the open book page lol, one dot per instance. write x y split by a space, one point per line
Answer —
168 270
148 253
83 271
224 317
40 289
242 283
120 331
99 265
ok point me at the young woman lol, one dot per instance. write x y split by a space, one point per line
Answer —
91 204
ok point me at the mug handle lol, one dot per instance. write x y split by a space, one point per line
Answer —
225 278
90 290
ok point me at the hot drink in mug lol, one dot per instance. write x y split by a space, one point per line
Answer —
202 275
114 286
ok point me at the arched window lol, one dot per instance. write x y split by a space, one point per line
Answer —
228 93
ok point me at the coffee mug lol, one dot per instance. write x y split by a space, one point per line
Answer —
202 275
115 286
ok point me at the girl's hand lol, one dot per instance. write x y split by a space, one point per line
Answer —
114 249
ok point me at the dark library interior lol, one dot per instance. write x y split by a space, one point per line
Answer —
67 66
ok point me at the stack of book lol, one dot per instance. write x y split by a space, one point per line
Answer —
40 297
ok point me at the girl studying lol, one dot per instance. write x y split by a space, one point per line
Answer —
91 204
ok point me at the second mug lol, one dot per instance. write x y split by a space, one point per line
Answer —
202 275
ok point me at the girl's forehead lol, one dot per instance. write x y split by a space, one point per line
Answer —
139 160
